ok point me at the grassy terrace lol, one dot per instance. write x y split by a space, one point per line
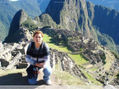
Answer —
76 57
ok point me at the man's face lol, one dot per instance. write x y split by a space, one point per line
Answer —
38 38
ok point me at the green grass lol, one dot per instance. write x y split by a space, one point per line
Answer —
91 78
47 39
79 60
94 69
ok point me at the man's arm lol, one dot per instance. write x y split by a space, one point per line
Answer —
30 60
42 62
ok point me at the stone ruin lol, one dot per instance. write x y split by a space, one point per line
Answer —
77 43
13 56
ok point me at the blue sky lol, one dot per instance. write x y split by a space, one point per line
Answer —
13 0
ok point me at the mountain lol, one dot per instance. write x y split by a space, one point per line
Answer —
106 21
8 8
83 16
112 4
72 15
16 33
5 17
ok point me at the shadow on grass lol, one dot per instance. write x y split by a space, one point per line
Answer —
16 79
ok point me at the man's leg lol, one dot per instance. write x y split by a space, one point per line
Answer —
47 72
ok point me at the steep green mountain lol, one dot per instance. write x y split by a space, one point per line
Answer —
113 4
66 14
107 41
107 22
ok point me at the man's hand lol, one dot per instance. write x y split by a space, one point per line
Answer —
39 65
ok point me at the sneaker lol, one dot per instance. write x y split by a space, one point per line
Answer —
32 81
48 82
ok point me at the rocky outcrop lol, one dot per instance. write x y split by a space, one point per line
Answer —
9 8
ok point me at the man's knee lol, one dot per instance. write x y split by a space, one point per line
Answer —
47 71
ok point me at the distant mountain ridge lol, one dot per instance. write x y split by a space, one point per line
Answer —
112 4
106 21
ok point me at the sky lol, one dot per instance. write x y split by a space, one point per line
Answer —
13 0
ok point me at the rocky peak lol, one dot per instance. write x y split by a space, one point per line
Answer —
16 33
71 14
19 18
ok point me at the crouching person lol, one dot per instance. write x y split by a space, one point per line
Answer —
37 55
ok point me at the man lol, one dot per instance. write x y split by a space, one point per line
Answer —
37 56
